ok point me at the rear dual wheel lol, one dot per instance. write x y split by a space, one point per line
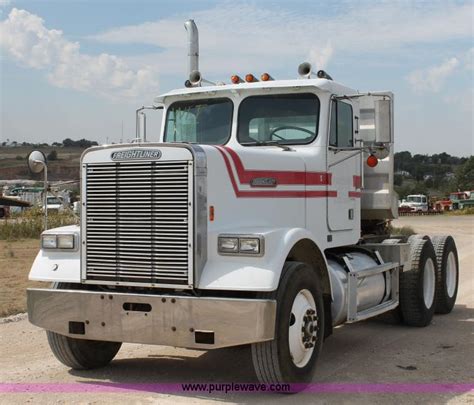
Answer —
448 273
418 285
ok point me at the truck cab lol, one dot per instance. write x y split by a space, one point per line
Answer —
415 203
257 219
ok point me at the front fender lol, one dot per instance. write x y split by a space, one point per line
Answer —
242 273
56 265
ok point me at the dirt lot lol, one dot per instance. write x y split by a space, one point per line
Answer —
16 259
367 352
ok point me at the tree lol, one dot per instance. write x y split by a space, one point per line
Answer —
68 142
465 175
53 155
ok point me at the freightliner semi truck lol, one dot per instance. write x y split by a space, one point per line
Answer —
259 218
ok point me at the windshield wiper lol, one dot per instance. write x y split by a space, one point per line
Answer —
267 143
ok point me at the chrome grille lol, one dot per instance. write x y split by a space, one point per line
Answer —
138 222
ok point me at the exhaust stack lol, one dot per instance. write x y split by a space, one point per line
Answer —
193 46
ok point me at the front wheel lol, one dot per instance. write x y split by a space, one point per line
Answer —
81 354
291 356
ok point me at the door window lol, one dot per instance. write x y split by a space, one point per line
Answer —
341 132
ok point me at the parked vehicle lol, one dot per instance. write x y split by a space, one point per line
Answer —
415 203
461 200
259 219
54 204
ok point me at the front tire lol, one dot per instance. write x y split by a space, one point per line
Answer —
418 285
80 354
291 356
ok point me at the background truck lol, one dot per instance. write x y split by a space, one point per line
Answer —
259 219
414 203
461 200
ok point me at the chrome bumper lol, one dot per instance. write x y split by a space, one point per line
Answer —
179 321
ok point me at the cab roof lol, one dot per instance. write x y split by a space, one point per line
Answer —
322 84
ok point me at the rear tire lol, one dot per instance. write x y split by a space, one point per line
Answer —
80 354
448 273
418 285
299 332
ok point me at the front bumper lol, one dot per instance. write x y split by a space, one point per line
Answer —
180 321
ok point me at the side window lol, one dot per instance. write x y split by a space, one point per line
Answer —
341 131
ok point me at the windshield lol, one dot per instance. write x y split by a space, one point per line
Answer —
414 199
199 121
282 118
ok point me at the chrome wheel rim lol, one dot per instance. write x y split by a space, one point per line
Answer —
303 328
451 272
429 282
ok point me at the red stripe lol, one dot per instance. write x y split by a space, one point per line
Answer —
357 181
282 177
354 194
272 193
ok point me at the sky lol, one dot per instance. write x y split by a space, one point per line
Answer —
79 69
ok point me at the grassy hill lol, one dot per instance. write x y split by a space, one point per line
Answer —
13 163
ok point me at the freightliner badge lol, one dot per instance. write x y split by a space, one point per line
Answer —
136 154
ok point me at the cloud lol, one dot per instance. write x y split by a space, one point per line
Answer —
24 36
233 35
320 57
433 78
468 59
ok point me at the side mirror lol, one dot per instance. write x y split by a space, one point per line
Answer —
36 161
383 121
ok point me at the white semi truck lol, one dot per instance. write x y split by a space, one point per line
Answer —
259 218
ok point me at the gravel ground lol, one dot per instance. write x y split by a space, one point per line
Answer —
374 351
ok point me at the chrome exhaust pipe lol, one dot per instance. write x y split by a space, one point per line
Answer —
193 46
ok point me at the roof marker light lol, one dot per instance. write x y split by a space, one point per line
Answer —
265 77
249 78
235 79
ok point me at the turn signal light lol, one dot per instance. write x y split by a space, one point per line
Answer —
249 78
235 79
265 77
372 161
211 213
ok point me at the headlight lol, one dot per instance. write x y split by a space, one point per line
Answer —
66 241
228 244
240 245
59 241
49 242
249 245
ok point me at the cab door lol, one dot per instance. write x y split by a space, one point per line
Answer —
343 164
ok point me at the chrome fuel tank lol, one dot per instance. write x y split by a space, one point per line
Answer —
371 290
